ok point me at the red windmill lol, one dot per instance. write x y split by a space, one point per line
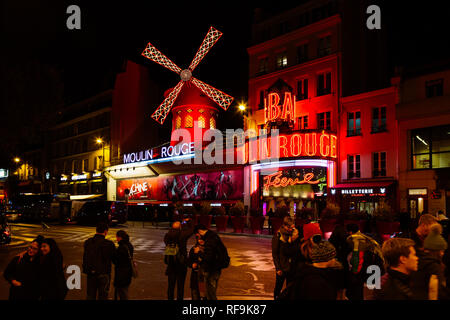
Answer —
218 96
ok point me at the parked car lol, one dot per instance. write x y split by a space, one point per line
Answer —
33 207
111 212
12 215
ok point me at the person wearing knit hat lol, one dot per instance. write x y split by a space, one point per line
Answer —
323 279
311 235
434 241
428 283
311 229
323 251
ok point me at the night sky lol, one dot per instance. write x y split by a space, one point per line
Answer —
44 65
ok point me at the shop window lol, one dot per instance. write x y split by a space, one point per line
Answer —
379 164
431 147
188 122
282 61
354 166
324 46
212 123
302 53
178 122
434 88
353 123
378 119
303 122
324 120
302 89
324 84
201 122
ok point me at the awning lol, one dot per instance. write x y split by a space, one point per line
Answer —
363 185
85 196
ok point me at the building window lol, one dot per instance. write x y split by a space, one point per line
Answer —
212 123
379 164
263 66
86 165
261 99
302 89
323 84
303 122
353 123
434 88
178 122
188 122
378 119
282 60
431 147
302 53
354 166
324 46
324 120
201 122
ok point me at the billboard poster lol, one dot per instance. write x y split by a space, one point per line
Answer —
220 185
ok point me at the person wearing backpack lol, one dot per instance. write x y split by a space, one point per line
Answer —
364 252
99 254
175 256
215 258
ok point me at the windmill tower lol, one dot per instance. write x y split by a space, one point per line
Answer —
195 100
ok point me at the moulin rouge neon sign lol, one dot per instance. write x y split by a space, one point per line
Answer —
273 111
277 181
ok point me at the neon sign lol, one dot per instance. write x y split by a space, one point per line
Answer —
276 180
138 156
293 145
183 149
273 111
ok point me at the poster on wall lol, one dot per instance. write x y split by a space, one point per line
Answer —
221 185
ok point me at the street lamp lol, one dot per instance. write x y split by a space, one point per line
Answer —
16 160
100 141
243 109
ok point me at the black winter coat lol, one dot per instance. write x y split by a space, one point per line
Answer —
394 286
123 271
212 242
25 271
285 255
312 283
420 280
179 237
52 282
98 255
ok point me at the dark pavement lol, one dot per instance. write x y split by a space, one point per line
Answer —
251 273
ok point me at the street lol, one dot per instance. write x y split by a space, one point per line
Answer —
250 275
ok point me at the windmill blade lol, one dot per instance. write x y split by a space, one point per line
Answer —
155 55
222 99
163 110
211 38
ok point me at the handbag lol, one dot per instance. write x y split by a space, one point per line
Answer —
134 272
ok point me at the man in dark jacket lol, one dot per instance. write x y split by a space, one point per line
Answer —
23 274
177 265
400 257
426 221
210 262
284 243
98 255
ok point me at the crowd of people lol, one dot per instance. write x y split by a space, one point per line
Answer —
38 272
413 266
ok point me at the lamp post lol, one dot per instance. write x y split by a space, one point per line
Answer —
243 109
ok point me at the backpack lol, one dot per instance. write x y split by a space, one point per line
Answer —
222 257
